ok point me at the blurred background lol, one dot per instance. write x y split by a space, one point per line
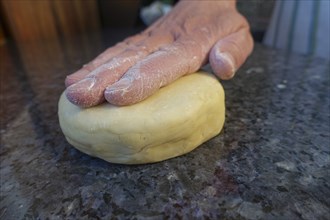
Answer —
38 20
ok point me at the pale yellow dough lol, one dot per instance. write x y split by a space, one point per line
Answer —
172 122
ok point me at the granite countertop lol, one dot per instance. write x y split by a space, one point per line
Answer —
271 160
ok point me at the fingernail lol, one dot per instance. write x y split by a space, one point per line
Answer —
75 77
119 85
83 85
227 59
226 64
79 73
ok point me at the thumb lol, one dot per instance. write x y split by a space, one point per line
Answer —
229 53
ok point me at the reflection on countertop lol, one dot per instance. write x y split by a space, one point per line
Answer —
271 161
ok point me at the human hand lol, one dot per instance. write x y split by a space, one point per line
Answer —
192 34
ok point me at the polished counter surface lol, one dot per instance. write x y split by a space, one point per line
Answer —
271 160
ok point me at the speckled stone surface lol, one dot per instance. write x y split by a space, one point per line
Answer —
271 161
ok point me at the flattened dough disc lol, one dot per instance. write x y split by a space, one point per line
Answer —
172 122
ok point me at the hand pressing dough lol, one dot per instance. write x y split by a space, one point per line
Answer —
172 122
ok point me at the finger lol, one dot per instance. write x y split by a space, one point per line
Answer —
90 91
229 53
103 58
154 72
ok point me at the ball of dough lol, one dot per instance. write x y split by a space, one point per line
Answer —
172 122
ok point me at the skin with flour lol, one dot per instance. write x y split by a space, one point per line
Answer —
193 33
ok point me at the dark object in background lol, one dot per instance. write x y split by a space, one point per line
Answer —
258 13
2 35
30 20
122 13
